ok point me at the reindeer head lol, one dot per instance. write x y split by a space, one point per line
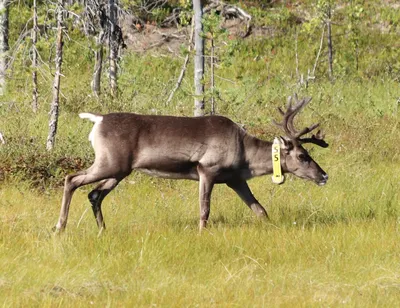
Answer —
295 159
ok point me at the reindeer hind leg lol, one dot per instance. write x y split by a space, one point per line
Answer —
81 178
96 197
72 182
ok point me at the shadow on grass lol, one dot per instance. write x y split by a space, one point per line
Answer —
283 218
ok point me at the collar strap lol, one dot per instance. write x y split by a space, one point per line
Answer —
277 176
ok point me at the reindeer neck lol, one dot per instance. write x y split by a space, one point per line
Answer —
258 155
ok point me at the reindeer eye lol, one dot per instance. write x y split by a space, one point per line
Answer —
302 157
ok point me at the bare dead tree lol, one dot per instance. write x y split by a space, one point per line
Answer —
99 48
34 59
114 46
310 75
326 8
227 11
329 37
54 108
319 52
297 57
212 76
198 59
100 20
4 47
98 67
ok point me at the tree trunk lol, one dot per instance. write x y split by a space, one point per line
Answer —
3 43
114 46
212 76
99 52
56 84
198 59
98 67
330 48
34 59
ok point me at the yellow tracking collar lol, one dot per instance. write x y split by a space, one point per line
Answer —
277 176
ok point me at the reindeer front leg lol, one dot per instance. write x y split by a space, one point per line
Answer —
206 184
244 192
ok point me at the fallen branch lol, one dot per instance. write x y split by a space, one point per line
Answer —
229 11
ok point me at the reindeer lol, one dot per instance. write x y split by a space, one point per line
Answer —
210 149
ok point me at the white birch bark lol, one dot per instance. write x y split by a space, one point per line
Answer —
98 65
4 47
53 123
99 49
34 59
113 48
330 48
198 59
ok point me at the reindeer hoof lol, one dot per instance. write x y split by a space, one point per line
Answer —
57 229
202 225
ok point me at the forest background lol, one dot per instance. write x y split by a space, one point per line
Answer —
322 246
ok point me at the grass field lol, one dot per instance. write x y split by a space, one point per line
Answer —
323 246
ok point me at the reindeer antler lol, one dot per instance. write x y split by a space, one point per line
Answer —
288 126
317 139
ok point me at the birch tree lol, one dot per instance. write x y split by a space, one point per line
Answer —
198 59
53 123
4 47
34 59
101 20
325 8
114 46
329 37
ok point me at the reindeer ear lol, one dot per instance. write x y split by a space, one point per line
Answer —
286 144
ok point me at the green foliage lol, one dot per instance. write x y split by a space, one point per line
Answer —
186 12
390 16
212 24
325 7
283 17
159 14
354 16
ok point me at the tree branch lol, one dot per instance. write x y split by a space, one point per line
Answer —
184 66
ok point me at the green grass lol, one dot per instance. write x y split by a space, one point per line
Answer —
323 246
